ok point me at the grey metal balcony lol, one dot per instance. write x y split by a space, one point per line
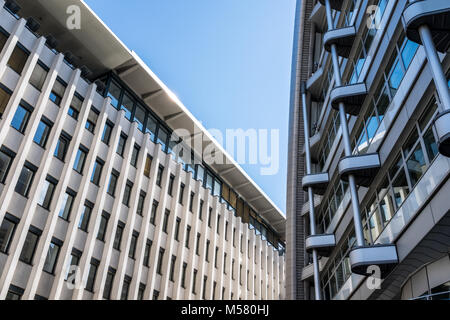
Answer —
318 182
314 84
335 4
323 243
352 96
319 18
343 38
317 202
383 256
442 125
363 167
433 13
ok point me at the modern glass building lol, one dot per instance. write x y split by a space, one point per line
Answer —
368 214
108 188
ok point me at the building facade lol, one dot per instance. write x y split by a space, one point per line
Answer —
368 215
107 187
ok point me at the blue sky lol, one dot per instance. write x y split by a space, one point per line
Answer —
229 61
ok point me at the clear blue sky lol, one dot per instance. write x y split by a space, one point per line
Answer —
229 61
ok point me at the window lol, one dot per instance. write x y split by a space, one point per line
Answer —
140 206
113 183
62 146
177 229
159 176
139 116
134 239
114 93
127 193
188 232
135 155
180 197
183 276
102 228
14 293
125 288
25 179
141 291
216 257
226 230
74 261
191 201
75 106
200 210
172 268
232 268
121 145
3 38
52 256
163 136
57 92
47 190
38 76
109 283
127 105
197 245
166 220
218 224
42 132
91 121
214 290
207 250
160 261
151 126
148 248
21 117
18 59
155 294
148 164
205 280
66 206
210 216
234 237
118 237
80 159
97 172
7 229
225 263
5 95
92 275
107 131
171 181
29 245
194 280
153 213
85 216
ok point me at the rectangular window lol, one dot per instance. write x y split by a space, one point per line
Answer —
3 38
113 183
57 92
207 250
166 220
153 213
135 155
180 197
125 288
30 245
97 172
91 121
141 291
140 206
66 206
225 263
7 229
148 248
191 201
194 280
218 224
25 179
52 256
177 229
92 275
85 216
20 119
183 276
159 176
47 190
197 245
118 237
163 136
134 239
5 95
210 216
216 257
155 294
200 210
127 193
121 145
127 105
109 283
80 159
151 126
62 147
38 76
172 268
102 228
14 293
171 181
107 131
75 106
74 261
139 116
148 164
18 59
160 261
188 233
42 132
114 93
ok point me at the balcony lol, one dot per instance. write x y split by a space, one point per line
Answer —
442 125
383 256
318 182
317 202
314 84
433 13
352 96
322 243
335 4
308 271
319 18
363 167
343 38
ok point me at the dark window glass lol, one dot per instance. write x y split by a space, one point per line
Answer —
134 239
172 268
163 136
151 127
155 294
114 93
197 245
52 257
127 194
141 291
180 196
74 261
29 247
153 213
194 280
61 148
80 160
401 188
91 277
4 99
135 155
102 228
118 237
18 59
200 210
108 284
140 206
171 181
97 172
159 176
42 133
148 248
3 39
25 180
7 229
191 201
46 195
84 219
91 121
166 220
57 92
66 206
112 184
125 289
38 76
127 105
106 136
20 119
188 234
139 116
75 107
177 229
183 275
121 145
160 261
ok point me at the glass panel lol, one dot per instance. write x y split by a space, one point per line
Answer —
38 76
375 225
401 188
127 105
18 59
52 255
387 209
139 116
428 114
46 194
66 206
410 143
163 135
4 99
114 94
28 247
416 165
217 187
151 126
41 134
6 232
24 182
372 126
20 119
430 144
408 52
396 78
397 164
209 181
